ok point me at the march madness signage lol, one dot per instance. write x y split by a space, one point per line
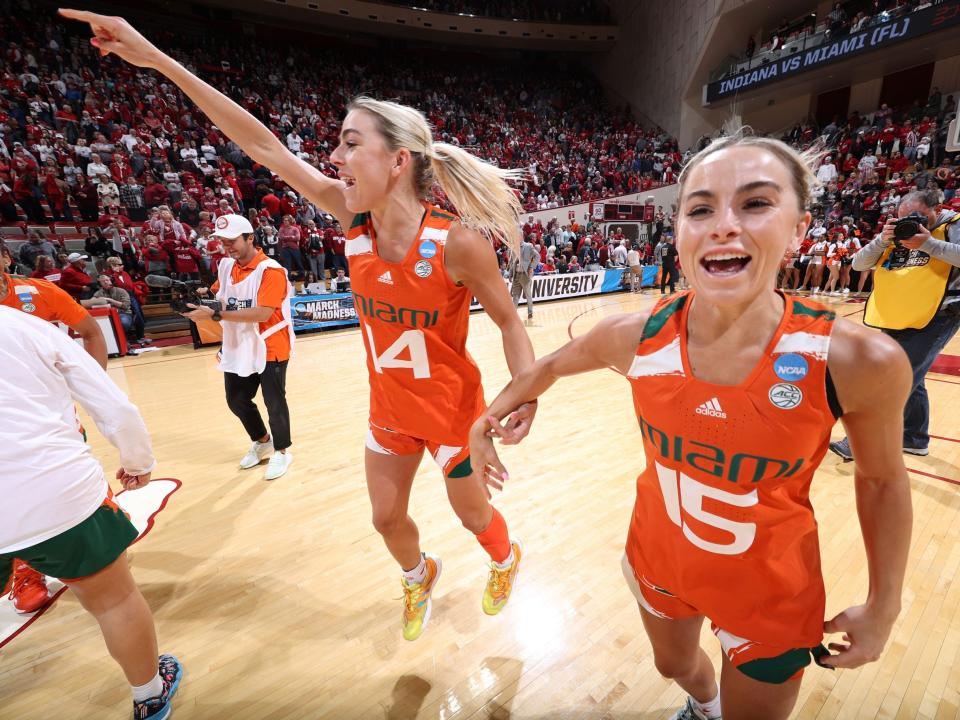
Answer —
313 312
931 19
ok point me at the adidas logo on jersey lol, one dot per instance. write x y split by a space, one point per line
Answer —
712 408
385 278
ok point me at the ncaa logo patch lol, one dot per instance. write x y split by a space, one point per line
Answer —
785 396
427 249
791 367
24 297
423 269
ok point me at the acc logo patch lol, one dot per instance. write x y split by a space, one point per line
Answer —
221 222
785 396
427 249
29 307
791 366
423 269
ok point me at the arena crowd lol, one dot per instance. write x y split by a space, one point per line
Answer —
127 160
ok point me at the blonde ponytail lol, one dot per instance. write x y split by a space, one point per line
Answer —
478 189
480 193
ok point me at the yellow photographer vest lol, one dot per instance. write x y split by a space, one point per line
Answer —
908 296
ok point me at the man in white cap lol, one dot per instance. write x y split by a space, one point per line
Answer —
254 312
74 278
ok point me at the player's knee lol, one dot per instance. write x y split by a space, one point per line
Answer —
674 667
476 520
387 521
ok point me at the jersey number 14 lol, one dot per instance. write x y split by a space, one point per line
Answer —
410 340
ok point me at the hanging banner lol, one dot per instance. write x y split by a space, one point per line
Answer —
906 27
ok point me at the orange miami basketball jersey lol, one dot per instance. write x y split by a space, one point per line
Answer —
722 518
414 322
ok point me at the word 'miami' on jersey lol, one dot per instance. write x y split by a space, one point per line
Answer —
389 313
714 460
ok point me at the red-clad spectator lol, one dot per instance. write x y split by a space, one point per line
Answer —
290 240
312 248
224 208
46 270
113 213
186 259
56 191
209 202
192 189
288 203
74 279
204 223
215 252
25 193
155 255
121 278
271 203
335 245
156 193
88 202
120 169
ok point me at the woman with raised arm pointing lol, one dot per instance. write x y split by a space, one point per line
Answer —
413 271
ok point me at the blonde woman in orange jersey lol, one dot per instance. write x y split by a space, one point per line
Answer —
736 388
413 270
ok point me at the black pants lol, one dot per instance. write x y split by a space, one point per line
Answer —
669 275
242 390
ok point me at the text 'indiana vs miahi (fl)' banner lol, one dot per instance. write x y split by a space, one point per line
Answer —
897 29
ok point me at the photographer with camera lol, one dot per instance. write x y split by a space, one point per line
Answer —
252 305
915 298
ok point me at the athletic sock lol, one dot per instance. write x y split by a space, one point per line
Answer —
508 561
417 574
148 690
712 708
495 539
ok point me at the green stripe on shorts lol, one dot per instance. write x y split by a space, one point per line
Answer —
781 668
81 551
462 470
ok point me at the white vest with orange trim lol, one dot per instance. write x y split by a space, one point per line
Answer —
244 350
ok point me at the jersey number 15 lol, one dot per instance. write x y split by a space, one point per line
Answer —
682 491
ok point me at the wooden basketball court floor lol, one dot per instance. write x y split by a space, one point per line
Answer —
281 601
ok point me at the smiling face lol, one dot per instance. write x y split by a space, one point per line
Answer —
365 163
739 213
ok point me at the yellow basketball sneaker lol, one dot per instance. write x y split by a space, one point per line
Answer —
500 582
416 599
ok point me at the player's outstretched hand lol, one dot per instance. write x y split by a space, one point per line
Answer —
517 425
865 632
132 482
483 457
116 35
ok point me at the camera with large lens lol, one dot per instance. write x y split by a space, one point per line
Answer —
908 226
182 293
